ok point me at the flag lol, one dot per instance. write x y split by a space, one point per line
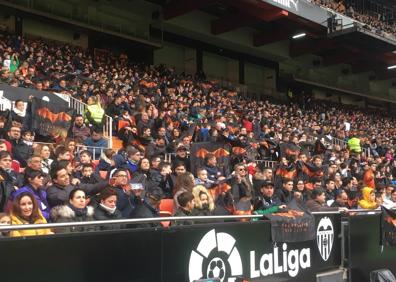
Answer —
388 227
200 150
295 224
50 119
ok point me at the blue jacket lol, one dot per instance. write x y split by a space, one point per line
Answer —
101 143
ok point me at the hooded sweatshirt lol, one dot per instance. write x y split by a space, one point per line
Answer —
366 202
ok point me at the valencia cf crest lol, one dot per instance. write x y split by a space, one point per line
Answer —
325 237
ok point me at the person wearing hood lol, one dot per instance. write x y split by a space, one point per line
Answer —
34 184
368 199
25 210
203 201
76 210
107 208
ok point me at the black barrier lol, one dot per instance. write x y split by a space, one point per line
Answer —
19 93
239 249
364 248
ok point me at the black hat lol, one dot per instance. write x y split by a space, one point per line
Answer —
267 183
156 194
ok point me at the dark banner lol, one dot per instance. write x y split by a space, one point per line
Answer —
200 150
19 93
364 250
49 119
237 250
295 224
388 227
176 254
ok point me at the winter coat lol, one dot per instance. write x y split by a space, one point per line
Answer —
66 214
15 220
315 206
145 210
57 195
366 202
102 214
182 212
40 195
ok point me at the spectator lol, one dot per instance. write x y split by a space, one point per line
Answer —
96 142
44 151
58 193
25 210
126 200
34 185
203 201
184 183
9 180
318 202
266 202
186 206
5 219
75 211
285 194
107 208
368 199
149 208
79 129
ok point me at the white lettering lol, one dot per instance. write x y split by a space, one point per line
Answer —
269 269
292 261
284 247
307 261
253 272
278 268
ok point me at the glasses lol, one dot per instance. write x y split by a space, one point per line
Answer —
122 175
241 169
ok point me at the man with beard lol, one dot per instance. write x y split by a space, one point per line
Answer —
20 150
266 201
79 129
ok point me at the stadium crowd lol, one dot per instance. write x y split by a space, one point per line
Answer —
160 113
374 21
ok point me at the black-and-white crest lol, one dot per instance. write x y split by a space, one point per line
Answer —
325 237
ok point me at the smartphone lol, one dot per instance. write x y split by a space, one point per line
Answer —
137 186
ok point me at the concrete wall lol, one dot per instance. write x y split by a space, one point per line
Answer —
44 30
7 21
181 58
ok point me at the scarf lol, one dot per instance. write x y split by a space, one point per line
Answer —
109 210
19 113
77 211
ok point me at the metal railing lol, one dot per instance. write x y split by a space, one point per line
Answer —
268 164
80 108
210 218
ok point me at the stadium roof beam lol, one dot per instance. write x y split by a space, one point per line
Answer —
340 58
180 7
242 19
270 37
310 46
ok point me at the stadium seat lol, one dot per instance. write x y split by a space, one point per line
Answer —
166 207
122 124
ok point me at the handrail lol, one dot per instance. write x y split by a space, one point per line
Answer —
80 109
160 219
123 221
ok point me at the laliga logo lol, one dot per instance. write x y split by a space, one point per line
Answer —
325 237
215 257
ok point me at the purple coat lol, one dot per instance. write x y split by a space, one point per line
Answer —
40 196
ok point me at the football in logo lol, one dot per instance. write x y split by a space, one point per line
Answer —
216 256
325 237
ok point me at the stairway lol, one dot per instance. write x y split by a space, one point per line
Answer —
117 143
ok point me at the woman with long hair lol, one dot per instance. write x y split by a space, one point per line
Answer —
25 210
184 183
